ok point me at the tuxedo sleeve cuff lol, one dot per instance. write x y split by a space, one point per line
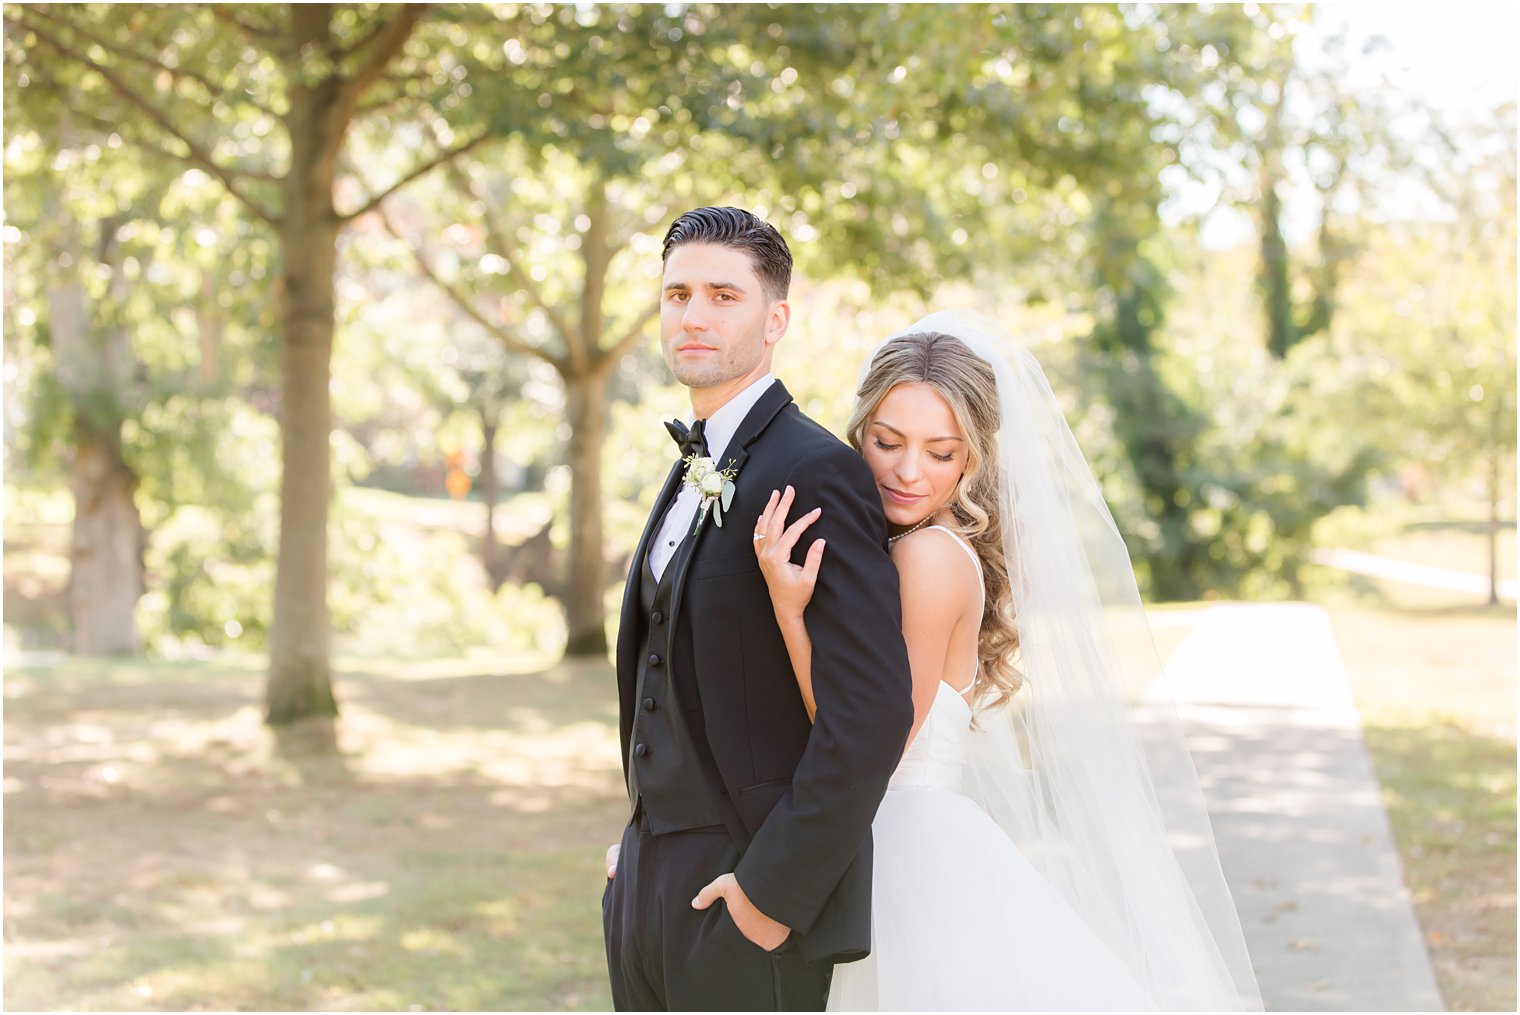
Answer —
775 901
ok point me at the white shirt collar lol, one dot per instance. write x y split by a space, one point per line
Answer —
721 425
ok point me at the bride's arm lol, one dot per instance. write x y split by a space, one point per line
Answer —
935 577
790 586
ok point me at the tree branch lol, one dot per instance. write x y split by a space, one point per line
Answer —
498 237
385 44
196 154
253 32
371 108
365 38
177 74
444 157
631 337
511 341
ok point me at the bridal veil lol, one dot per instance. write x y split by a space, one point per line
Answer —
1087 769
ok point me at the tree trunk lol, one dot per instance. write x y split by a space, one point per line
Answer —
105 551
1276 291
300 681
587 394
585 615
1494 493
1273 275
490 546
208 332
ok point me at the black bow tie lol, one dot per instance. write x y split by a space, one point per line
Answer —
691 442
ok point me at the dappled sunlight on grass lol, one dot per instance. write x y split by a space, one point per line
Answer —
163 851
1436 691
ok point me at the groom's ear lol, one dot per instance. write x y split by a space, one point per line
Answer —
777 321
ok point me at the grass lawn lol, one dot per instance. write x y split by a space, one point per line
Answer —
1436 691
164 852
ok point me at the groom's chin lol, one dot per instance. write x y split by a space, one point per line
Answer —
698 375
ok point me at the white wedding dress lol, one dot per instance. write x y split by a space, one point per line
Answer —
961 921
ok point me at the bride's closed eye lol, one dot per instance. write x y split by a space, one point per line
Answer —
884 446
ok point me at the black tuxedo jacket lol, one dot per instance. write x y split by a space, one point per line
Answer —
798 797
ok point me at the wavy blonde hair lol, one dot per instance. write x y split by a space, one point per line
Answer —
968 385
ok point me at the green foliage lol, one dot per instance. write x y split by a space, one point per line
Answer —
1026 149
415 595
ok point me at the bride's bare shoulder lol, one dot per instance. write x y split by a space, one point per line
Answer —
935 560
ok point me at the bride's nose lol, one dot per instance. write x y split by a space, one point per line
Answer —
908 469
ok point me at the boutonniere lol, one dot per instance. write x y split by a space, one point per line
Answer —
715 486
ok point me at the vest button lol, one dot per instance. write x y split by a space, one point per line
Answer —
649 705
642 750
657 617
654 660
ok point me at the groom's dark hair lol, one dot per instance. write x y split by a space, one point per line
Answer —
742 230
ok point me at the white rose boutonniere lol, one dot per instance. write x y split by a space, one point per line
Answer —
714 485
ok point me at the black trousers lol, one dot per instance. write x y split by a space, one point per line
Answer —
662 955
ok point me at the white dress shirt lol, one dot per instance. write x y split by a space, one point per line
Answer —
682 515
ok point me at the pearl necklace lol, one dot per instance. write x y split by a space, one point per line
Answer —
909 532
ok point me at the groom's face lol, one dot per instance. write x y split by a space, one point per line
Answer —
717 325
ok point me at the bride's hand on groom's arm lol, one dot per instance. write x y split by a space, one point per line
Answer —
791 586
760 929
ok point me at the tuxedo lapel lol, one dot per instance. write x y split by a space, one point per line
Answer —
775 399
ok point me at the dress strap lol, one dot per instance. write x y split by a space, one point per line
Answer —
964 546
971 684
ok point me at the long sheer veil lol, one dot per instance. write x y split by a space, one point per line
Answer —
1088 769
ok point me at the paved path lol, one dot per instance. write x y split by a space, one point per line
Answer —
1298 818
1412 574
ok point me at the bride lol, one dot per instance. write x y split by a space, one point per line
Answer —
1023 858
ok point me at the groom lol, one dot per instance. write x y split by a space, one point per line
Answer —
744 873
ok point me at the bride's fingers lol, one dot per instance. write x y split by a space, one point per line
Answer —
778 517
763 523
814 558
794 531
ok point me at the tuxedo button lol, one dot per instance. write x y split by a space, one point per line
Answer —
657 617
655 660
649 705
642 750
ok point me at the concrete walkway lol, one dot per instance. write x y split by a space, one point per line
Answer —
1424 575
1298 817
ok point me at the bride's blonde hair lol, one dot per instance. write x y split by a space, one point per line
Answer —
968 385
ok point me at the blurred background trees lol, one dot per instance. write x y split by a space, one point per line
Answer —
339 318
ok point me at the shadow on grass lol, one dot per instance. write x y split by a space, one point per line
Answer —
1474 526
165 850
1409 601
570 692
1450 795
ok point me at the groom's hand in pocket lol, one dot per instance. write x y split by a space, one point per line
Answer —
761 930
612 858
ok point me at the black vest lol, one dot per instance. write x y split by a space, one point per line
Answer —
670 774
